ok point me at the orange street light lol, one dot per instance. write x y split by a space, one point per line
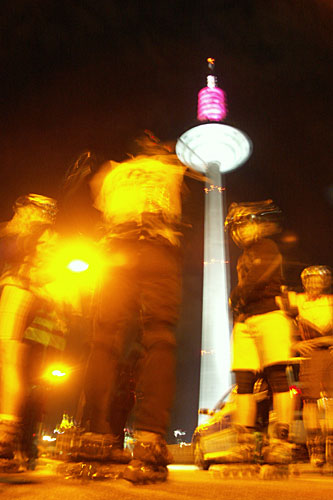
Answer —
58 373
77 266
55 373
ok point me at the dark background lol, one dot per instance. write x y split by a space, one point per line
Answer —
93 74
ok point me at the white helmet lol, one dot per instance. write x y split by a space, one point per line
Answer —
316 279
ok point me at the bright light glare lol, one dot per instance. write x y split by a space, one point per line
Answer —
182 467
58 373
74 271
77 266
48 438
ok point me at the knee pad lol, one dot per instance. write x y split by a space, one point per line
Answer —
245 381
277 378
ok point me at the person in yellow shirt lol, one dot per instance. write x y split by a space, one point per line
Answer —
314 309
20 282
140 202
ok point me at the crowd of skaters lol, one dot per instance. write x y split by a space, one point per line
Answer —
134 312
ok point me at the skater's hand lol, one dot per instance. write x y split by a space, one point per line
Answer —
305 347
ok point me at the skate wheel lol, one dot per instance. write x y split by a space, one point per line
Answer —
270 472
249 472
216 470
225 472
254 472
265 472
295 471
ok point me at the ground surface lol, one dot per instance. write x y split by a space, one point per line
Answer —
184 482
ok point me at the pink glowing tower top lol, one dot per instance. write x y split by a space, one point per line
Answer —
211 99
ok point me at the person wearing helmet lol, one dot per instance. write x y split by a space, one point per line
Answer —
262 334
28 232
314 309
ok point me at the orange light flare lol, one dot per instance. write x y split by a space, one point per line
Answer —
211 63
77 266
74 270
56 373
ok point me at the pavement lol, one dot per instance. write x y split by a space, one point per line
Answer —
49 468
185 482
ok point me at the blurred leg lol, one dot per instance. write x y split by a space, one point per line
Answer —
160 298
311 415
246 406
156 387
112 333
16 307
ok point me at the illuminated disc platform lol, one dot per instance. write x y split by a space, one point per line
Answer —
214 143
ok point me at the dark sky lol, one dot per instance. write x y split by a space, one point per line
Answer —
93 74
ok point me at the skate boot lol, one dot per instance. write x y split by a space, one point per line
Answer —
92 456
278 450
244 448
10 432
316 447
243 459
150 460
93 447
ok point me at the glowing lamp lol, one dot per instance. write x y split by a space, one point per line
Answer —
49 439
78 266
58 373
211 104
55 374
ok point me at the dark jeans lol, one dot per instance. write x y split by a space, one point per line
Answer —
138 305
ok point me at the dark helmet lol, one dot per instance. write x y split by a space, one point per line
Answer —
46 207
248 222
316 279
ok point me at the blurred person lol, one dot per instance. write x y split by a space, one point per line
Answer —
262 334
110 446
140 201
77 215
44 343
314 314
123 400
23 239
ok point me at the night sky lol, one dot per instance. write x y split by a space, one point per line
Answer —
93 74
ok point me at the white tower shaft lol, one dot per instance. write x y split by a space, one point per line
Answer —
214 148
215 343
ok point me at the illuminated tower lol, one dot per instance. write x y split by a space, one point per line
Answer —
214 148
